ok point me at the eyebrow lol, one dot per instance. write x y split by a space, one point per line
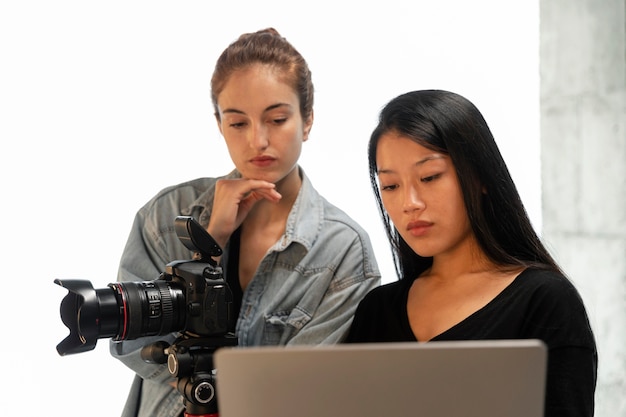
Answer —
418 163
269 108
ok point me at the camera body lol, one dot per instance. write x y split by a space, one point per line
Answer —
208 298
190 297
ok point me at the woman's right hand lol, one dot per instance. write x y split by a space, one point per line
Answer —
234 198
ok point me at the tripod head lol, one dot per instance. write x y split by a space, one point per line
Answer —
190 360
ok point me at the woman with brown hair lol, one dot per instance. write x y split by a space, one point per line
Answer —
297 265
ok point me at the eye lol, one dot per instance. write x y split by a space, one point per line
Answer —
237 125
389 187
430 178
279 120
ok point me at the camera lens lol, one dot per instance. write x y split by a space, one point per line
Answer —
123 310
145 308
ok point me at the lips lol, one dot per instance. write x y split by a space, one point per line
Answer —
419 228
262 160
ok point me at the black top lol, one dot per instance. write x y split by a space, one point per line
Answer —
536 305
231 273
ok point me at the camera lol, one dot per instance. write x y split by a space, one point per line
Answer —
190 297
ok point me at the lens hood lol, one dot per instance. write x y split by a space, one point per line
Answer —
79 313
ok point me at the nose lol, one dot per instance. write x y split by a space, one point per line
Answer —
412 200
259 137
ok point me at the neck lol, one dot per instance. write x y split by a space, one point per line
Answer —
467 258
289 187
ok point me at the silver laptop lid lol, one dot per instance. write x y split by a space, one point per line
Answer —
437 379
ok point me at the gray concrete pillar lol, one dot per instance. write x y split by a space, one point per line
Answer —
583 157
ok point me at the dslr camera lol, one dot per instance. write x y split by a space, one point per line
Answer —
190 297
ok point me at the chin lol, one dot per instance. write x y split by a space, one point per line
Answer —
423 251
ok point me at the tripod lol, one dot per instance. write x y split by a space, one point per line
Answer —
190 360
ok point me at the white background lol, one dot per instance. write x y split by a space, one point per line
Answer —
102 104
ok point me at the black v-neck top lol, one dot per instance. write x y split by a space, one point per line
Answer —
538 304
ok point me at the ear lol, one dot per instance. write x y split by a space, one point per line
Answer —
308 124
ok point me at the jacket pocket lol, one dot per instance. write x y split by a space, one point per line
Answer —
281 326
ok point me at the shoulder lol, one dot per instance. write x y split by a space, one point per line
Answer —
393 293
181 194
332 215
548 290
548 283
318 219
554 305
189 198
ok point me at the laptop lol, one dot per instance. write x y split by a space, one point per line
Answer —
504 378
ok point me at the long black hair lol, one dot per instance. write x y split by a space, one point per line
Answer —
449 123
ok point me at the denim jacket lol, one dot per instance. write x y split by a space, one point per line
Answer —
305 290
